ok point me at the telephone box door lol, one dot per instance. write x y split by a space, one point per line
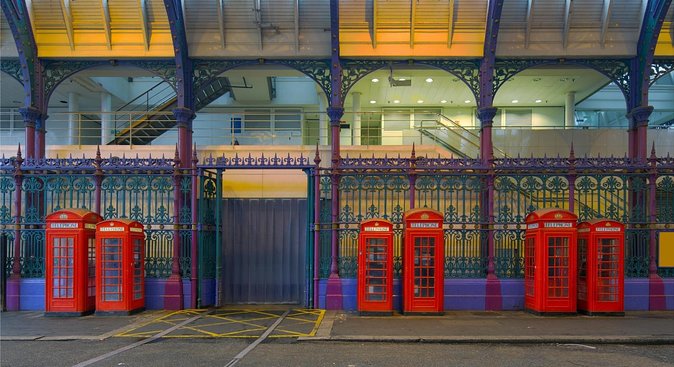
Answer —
70 256
600 268
550 261
119 266
423 262
375 267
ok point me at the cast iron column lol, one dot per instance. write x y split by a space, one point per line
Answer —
173 291
184 117
30 116
638 119
14 282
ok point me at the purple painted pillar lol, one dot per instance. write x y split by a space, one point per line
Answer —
173 291
40 131
637 134
656 294
194 251
413 178
572 179
30 116
493 299
184 117
98 180
13 288
333 296
317 226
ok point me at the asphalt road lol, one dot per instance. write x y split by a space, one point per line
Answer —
287 352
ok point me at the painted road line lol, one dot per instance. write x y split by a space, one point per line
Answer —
259 340
137 344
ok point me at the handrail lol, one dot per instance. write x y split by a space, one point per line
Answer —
140 95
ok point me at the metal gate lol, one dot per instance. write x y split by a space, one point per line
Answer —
263 251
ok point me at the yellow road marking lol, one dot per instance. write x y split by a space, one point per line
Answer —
223 318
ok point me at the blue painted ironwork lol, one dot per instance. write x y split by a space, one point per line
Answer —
617 70
56 71
12 68
17 15
207 70
355 70
654 16
660 68
262 161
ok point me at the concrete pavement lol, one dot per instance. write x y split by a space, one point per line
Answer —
453 327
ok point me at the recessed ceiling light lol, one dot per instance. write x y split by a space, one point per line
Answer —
443 101
467 101
515 101
420 101
396 101
429 80
538 101
372 101
375 80
402 79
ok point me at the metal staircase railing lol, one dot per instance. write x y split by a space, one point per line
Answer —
150 120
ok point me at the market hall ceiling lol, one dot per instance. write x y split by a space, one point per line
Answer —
301 28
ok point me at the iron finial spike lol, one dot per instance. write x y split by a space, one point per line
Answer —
572 152
98 152
653 150
18 152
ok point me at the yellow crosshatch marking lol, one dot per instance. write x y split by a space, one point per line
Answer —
232 323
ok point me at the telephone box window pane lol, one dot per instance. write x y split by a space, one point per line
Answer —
91 285
529 257
424 267
137 270
375 269
558 267
607 270
63 270
112 269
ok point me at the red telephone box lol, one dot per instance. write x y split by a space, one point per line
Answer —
423 262
70 262
375 267
120 273
550 261
601 280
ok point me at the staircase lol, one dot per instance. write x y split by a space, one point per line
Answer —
141 128
443 131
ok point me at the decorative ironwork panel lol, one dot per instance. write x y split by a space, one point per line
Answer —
514 197
206 225
12 68
618 70
622 198
660 68
664 200
325 193
365 197
458 197
149 200
354 70
207 70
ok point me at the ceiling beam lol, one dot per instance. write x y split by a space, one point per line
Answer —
527 33
106 23
605 15
486 91
374 23
567 23
67 19
221 22
654 12
145 27
296 19
413 13
671 31
450 24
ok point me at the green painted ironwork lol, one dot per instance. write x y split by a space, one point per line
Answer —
514 197
206 225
